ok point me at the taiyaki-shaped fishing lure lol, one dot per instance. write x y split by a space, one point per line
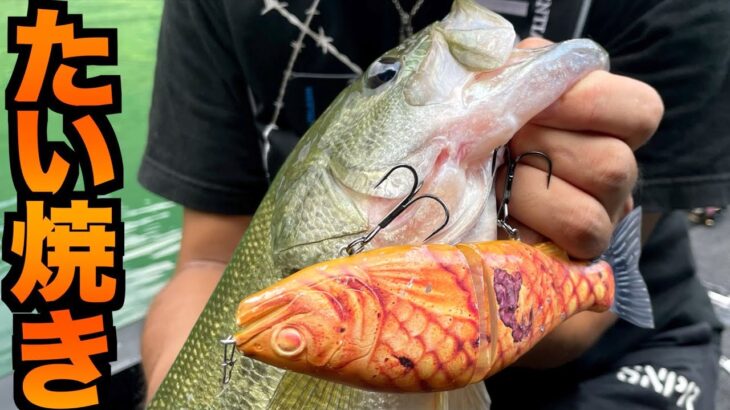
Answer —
435 317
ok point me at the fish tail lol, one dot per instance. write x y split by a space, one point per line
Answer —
631 300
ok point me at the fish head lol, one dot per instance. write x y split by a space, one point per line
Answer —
313 322
441 102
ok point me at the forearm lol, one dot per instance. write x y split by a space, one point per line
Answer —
208 241
172 315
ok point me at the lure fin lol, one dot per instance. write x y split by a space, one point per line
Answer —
631 301
551 249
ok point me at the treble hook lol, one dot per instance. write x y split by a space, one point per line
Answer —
494 158
359 244
503 212
228 358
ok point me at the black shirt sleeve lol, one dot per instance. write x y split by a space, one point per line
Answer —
203 149
682 49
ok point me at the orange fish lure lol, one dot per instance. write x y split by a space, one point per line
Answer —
432 317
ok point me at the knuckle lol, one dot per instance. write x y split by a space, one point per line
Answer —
618 171
589 229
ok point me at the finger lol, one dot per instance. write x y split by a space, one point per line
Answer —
609 104
571 218
604 167
533 42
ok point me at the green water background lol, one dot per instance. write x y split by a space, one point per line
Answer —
152 225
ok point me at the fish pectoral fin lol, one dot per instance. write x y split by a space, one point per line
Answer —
551 249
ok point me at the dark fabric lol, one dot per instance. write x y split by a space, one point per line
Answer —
221 62
203 150
676 369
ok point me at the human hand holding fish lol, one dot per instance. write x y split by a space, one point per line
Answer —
589 134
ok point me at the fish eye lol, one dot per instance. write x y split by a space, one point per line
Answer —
382 71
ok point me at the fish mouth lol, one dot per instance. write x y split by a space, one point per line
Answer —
455 165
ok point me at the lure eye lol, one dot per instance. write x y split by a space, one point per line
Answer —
382 71
287 342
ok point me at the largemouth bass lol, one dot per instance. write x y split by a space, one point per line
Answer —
435 317
440 102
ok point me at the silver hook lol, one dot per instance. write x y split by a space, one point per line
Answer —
359 244
229 358
503 211
494 158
